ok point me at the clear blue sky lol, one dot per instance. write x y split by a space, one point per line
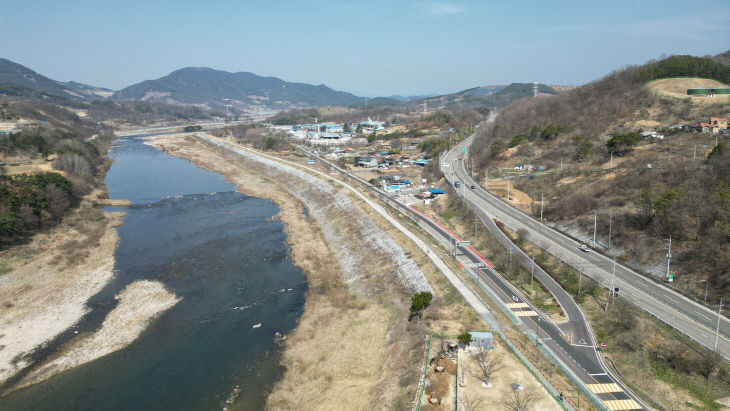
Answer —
367 47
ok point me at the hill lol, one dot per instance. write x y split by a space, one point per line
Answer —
12 73
216 88
588 141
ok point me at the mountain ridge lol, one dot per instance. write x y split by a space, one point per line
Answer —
217 88
15 73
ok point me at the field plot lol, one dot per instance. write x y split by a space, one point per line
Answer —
457 376
677 87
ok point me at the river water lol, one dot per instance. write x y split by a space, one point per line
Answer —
218 250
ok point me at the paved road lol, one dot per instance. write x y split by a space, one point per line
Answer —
579 355
571 342
679 312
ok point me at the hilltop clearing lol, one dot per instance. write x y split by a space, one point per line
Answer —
677 87
584 151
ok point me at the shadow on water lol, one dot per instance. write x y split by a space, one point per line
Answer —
220 252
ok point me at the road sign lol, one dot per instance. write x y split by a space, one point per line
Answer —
603 345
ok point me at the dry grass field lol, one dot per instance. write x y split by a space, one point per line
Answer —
677 87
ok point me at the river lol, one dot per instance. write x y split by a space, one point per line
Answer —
223 254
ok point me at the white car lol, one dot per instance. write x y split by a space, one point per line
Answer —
584 248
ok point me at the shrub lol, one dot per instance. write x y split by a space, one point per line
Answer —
464 338
420 301
516 140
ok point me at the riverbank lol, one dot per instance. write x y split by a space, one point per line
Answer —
353 344
45 284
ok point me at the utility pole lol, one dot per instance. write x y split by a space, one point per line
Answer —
537 335
610 223
611 166
532 273
717 331
542 202
561 164
612 278
580 279
595 225
669 254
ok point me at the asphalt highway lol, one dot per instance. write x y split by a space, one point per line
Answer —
571 342
677 311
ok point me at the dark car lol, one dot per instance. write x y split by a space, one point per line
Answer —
473 187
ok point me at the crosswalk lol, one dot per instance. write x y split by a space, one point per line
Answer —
604 388
522 309
622 405
525 313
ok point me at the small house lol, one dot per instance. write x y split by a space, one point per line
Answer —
481 340
720 123
652 134
709 128
366 162
680 127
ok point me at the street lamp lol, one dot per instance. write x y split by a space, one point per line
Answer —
706 285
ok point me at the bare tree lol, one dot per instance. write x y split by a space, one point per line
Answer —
487 365
522 235
28 216
519 400
469 403
72 163
707 364
57 199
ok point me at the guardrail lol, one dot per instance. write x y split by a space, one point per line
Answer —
642 274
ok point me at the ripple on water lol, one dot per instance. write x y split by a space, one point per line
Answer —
224 256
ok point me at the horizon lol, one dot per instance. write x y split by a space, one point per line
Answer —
356 47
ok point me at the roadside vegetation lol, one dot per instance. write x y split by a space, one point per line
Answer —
659 363
456 216
642 189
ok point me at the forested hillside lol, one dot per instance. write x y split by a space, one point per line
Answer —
643 190
49 137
